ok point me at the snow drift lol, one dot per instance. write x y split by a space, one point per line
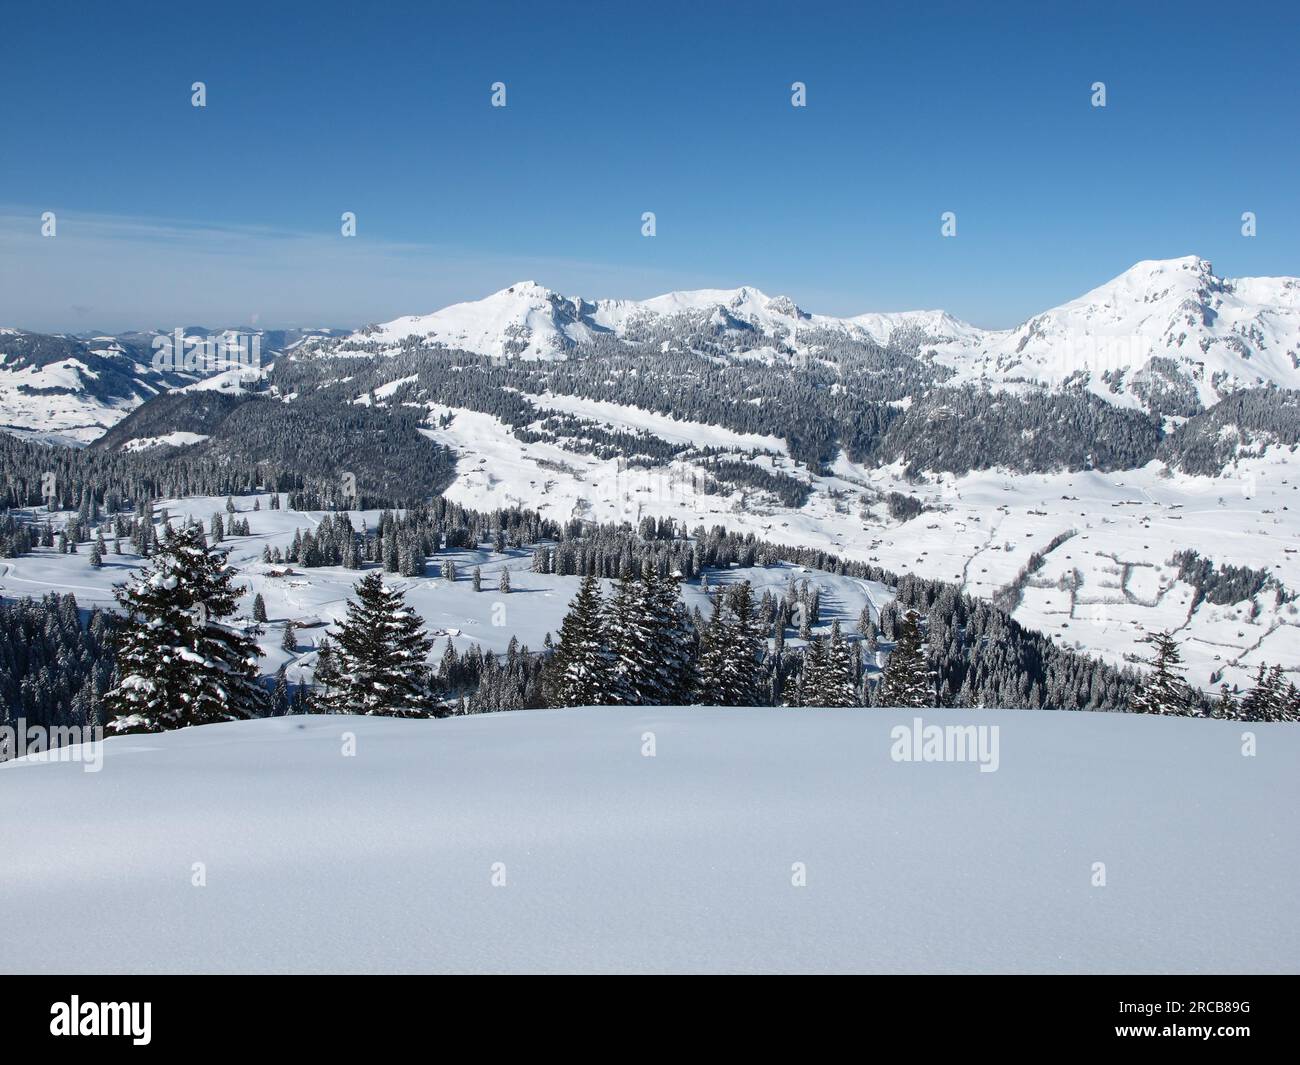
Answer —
552 841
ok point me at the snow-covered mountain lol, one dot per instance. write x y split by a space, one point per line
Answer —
72 389
1163 324
528 320
1169 328
1166 335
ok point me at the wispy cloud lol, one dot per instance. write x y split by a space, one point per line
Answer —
115 272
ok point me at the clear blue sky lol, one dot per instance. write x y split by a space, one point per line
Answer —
229 214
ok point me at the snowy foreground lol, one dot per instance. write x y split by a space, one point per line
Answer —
385 860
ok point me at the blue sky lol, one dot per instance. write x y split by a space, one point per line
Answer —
230 214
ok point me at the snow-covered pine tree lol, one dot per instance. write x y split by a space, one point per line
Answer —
906 680
812 678
179 664
259 608
290 640
1163 690
730 669
300 704
1290 704
1270 698
709 667
866 627
1225 706
381 652
839 685
324 696
672 639
280 696
627 631
649 640
581 669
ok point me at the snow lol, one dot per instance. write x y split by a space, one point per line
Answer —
51 403
1244 332
316 861
979 533
1223 334
173 439
665 427
315 599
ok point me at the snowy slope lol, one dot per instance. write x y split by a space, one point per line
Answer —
612 861
176 439
1218 335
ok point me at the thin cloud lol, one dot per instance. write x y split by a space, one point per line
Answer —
115 273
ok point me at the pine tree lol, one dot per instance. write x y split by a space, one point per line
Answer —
581 669
672 639
504 586
381 651
1225 707
625 630
259 608
838 684
300 704
906 681
648 640
478 578
1271 698
730 671
280 697
290 641
179 664
326 677
866 627
1164 691
811 677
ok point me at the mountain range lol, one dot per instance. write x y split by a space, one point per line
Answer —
1167 336
1162 322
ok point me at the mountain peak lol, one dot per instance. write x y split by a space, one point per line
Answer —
1188 269
528 288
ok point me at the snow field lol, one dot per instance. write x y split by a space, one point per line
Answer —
549 841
